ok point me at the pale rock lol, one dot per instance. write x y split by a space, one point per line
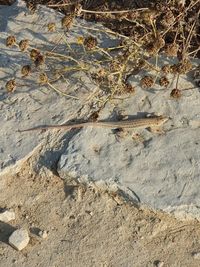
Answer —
7 215
19 239
196 255
43 234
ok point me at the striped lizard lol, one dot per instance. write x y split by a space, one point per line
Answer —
155 121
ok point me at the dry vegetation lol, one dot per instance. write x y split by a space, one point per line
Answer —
145 31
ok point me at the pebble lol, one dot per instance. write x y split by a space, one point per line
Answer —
196 255
43 234
19 239
158 263
7 215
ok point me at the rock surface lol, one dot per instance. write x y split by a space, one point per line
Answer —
32 104
7 215
19 239
161 170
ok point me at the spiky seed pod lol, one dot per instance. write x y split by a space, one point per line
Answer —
121 16
147 82
43 78
167 69
167 19
184 66
24 44
10 41
26 70
155 45
176 93
51 27
148 16
161 7
152 49
90 42
115 65
159 42
132 16
34 54
175 69
171 50
128 88
164 81
67 21
11 85
40 60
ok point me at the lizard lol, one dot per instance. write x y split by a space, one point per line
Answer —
155 121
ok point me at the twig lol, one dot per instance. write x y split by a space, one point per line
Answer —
60 92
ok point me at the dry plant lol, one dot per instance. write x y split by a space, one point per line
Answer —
163 28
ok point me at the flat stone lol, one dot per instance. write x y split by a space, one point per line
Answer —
19 239
7 215
161 169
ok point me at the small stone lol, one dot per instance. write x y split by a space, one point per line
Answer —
158 263
19 239
43 234
196 255
7 215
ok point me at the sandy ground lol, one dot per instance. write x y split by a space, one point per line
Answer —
87 227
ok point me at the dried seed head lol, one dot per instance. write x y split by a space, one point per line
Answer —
155 45
128 88
184 67
167 19
171 49
175 93
90 42
147 82
167 69
26 70
11 86
100 75
121 16
43 78
51 27
161 7
175 69
115 65
34 54
164 81
10 41
67 21
148 16
23 45
132 16
152 49
40 60
159 42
